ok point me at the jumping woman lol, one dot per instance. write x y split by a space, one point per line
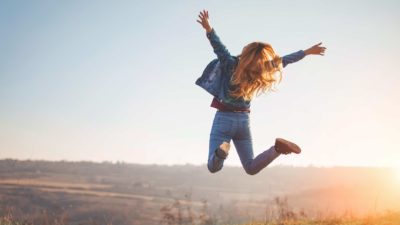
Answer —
254 71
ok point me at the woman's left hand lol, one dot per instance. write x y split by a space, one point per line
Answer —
203 20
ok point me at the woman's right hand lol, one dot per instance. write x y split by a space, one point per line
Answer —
203 20
315 50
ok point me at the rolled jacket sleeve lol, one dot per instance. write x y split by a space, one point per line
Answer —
292 58
219 48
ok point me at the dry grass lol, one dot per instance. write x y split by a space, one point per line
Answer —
52 184
65 193
388 218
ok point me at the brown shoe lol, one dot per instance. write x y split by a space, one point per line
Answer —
286 147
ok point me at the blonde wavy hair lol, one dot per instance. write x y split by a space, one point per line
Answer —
258 70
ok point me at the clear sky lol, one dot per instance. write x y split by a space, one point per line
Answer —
114 80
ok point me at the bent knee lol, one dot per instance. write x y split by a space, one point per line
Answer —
212 169
251 171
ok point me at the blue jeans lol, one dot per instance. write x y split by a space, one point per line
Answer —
235 126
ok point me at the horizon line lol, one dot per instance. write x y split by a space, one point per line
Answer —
120 162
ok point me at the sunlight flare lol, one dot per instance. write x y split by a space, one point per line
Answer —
398 174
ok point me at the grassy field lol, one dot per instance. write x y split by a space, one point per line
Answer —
74 193
389 218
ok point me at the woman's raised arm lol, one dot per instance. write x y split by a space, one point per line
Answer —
219 48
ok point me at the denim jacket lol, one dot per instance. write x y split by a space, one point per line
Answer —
217 75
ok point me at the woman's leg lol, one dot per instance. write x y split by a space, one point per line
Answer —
244 146
220 132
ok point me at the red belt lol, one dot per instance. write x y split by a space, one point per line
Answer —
244 110
224 108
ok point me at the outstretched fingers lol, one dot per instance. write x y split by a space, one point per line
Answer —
204 14
202 17
320 50
316 49
203 20
200 20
